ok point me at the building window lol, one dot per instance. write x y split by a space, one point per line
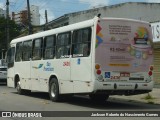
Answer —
27 50
18 56
49 47
37 49
81 43
63 45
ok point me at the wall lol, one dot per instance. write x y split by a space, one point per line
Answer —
141 11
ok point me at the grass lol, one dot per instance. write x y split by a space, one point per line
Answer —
150 102
148 97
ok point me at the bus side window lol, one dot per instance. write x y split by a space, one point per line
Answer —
37 49
81 42
63 46
27 50
49 47
18 56
10 57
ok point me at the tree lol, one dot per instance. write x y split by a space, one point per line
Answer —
14 31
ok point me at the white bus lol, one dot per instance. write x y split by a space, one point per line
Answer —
97 57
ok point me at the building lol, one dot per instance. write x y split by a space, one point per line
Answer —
22 17
2 13
156 37
35 16
133 10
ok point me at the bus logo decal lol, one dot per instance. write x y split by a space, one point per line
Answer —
39 66
78 61
48 67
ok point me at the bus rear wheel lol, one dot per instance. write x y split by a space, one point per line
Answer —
99 97
54 90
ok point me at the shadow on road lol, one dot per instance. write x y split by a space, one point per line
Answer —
84 101
111 104
40 95
3 84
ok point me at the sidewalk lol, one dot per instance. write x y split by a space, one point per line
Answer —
151 98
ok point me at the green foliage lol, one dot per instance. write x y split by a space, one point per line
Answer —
150 102
14 31
148 96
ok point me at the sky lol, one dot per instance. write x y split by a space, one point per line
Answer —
57 8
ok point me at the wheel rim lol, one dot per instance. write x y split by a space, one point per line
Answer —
53 90
18 87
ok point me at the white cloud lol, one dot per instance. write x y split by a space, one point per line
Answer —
1 5
153 1
94 3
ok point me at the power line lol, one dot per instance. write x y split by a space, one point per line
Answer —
68 2
47 5
42 18
20 4
14 4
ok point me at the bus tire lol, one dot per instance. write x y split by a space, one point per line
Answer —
20 91
54 90
98 97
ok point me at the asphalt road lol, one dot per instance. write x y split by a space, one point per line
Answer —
11 101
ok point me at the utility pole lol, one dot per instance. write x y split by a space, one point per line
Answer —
7 26
46 17
29 19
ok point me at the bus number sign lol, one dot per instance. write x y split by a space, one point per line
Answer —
115 77
125 74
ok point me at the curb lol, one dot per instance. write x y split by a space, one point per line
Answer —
152 97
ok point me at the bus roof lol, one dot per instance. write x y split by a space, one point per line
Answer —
55 31
74 26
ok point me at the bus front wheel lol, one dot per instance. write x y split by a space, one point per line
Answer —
54 90
22 91
19 89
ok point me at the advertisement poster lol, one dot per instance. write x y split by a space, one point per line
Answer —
124 46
